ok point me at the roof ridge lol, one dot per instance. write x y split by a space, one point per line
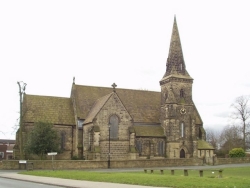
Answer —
117 88
46 96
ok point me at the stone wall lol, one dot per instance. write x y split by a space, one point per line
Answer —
142 163
118 149
80 164
220 161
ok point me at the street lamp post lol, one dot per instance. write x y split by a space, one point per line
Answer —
109 150
22 86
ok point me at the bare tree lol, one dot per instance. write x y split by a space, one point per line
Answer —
2 133
241 114
231 137
213 137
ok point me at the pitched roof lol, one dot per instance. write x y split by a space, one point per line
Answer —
96 108
202 144
56 110
143 106
149 131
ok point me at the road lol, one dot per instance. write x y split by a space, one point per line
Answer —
10 183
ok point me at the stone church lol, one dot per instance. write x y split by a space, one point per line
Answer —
96 123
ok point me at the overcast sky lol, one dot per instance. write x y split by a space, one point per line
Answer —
47 43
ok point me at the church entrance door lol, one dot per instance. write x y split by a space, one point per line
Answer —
182 153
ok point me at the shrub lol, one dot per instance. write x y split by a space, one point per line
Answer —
42 139
74 157
77 158
237 152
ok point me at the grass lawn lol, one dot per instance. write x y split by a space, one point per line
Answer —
232 177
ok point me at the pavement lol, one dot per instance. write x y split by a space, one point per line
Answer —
13 174
66 182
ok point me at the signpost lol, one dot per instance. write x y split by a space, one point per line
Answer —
52 154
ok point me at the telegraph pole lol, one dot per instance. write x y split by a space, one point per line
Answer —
22 86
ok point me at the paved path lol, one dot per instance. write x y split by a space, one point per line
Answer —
88 184
65 182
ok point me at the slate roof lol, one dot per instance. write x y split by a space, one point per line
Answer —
143 106
56 110
148 131
202 144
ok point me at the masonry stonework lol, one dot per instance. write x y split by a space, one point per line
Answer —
99 123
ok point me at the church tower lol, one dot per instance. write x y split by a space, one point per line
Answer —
179 116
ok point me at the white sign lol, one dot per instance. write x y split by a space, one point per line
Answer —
22 161
52 153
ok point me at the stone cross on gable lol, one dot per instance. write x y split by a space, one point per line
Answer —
114 86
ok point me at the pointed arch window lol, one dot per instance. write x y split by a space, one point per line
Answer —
114 122
170 129
166 95
139 147
182 129
63 139
182 153
182 93
171 109
161 148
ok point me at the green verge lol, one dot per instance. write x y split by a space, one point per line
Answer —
232 177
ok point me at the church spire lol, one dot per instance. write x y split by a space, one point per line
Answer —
175 59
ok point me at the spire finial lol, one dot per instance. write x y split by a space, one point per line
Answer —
114 86
73 80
